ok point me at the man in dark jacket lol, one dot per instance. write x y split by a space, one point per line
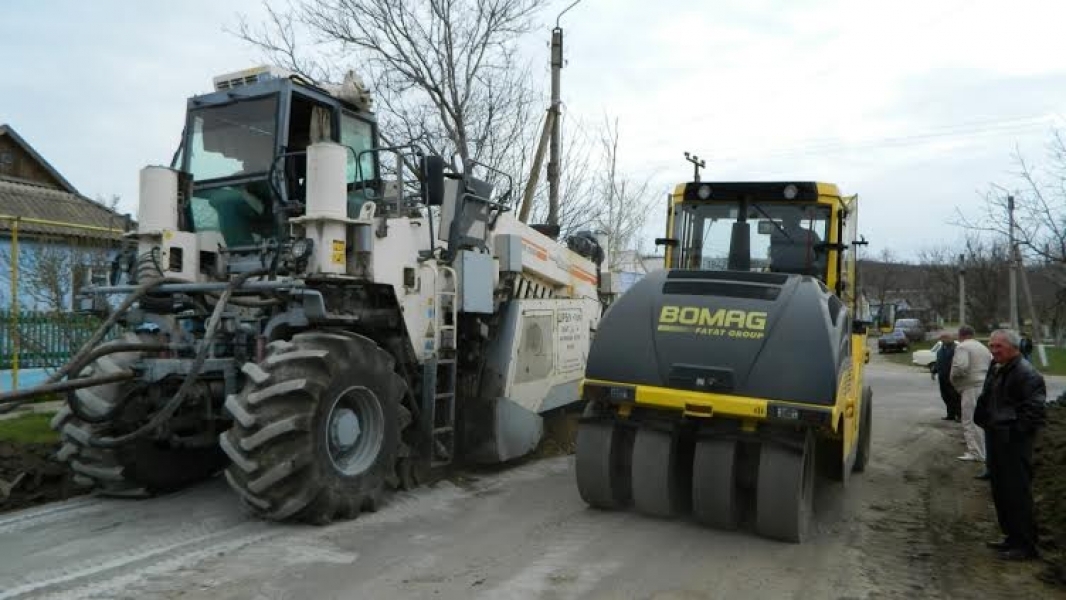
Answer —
1011 411
948 393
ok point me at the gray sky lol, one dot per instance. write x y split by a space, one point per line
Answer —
915 106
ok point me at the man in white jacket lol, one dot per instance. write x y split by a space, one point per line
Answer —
968 369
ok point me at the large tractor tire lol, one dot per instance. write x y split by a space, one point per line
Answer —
139 469
862 454
603 459
715 500
316 430
784 504
661 474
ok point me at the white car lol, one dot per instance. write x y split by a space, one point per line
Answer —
926 358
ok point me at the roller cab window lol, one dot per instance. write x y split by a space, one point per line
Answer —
778 237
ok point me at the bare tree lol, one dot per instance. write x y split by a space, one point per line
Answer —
444 72
580 203
626 203
1040 205
881 279
1039 194
939 279
986 281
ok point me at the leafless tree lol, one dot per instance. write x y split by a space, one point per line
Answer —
1039 194
580 203
626 201
986 264
939 279
444 72
881 279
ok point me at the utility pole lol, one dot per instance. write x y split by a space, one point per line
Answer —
1013 266
962 290
1036 337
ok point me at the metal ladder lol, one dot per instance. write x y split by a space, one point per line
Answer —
440 370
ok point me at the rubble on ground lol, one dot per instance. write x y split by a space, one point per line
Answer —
1049 490
30 475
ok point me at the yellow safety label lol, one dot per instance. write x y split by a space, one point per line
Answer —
338 252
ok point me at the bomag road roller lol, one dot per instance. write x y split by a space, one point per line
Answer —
725 383
321 317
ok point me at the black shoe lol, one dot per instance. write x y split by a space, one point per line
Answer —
947 418
1019 554
1002 546
984 476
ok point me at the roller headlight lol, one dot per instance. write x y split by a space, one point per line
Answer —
704 192
791 191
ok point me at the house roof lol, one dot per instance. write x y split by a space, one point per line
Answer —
7 130
24 200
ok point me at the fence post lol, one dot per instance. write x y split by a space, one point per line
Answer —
15 304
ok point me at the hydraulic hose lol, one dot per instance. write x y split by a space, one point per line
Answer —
75 403
174 403
22 396
10 401
79 361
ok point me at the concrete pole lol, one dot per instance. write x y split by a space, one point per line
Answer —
1036 336
553 160
962 290
1013 267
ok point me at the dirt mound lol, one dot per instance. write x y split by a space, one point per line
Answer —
1049 490
30 475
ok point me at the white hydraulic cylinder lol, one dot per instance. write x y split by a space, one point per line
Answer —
157 210
327 205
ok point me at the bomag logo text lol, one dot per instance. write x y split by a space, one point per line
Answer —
724 322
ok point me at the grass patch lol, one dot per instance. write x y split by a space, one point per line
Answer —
904 358
28 429
1056 357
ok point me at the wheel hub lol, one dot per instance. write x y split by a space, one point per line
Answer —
344 430
355 431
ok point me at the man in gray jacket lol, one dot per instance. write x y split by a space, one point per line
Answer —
968 369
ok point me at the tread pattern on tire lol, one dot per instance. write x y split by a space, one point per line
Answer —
279 466
126 472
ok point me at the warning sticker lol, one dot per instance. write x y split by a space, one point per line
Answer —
338 252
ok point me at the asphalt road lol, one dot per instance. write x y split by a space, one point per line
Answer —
911 526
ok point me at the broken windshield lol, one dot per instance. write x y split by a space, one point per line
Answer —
233 139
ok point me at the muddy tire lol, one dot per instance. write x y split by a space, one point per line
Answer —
715 498
862 454
602 465
140 469
316 431
784 504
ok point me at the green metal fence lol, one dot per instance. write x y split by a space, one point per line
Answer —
44 339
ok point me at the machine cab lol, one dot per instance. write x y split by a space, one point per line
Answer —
779 227
244 147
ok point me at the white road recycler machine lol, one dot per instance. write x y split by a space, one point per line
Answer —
320 331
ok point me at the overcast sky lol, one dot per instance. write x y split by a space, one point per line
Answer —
915 106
